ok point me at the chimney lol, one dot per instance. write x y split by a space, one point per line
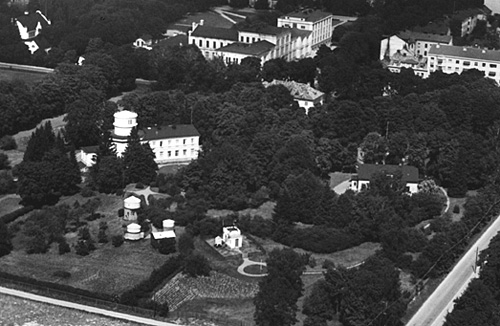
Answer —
465 49
26 13
202 21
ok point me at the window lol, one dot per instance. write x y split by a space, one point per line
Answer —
248 39
161 143
200 43
491 74
466 63
183 142
192 140
176 153
457 62
169 141
169 153
484 64
426 45
493 65
184 152
208 44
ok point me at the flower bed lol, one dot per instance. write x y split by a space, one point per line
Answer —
183 288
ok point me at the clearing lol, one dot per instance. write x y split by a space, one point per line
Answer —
9 203
265 211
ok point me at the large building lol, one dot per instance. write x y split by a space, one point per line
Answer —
410 49
456 59
305 96
177 144
494 5
366 173
318 22
298 35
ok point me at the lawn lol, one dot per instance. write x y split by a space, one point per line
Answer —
9 203
460 202
255 269
265 210
23 137
107 270
28 77
18 311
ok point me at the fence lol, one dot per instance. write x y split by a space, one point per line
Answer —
76 298
39 289
13 66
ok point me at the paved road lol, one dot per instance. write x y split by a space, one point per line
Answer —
71 305
433 311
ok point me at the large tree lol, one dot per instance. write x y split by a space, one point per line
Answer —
138 160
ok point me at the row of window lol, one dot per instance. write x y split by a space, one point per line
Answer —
176 153
466 63
170 142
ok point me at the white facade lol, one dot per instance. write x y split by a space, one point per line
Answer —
318 22
145 42
456 59
130 207
31 25
494 5
124 122
232 237
176 149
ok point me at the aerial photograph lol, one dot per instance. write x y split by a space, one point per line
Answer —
250 162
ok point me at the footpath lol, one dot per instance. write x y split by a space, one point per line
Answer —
77 306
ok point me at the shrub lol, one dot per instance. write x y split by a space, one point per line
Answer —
4 162
102 237
81 248
456 209
61 274
8 143
117 240
63 247
84 233
163 309
119 192
38 244
7 184
121 212
87 192
5 243
103 225
166 246
196 265
7 218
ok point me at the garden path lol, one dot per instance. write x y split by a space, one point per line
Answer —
248 262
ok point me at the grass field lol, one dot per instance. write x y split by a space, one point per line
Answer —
9 203
265 210
107 270
28 77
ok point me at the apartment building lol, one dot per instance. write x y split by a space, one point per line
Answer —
456 59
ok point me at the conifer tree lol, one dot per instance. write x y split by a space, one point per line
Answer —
138 160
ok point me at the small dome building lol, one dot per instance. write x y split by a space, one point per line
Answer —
232 237
130 207
133 232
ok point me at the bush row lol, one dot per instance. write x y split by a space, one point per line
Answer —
140 294
11 217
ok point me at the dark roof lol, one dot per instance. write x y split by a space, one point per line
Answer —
467 13
90 149
418 36
31 20
309 15
146 37
435 27
465 52
174 41
42 43
265 29
255 49
299 33
367 171
216 32
165 132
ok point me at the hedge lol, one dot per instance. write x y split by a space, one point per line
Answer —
11 217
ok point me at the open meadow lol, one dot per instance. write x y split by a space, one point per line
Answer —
28 77
106 270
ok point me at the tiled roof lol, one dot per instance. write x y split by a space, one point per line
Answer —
367 171
146 37
180 39
165 132
464 14
259 48
465 52
31 20
298 90
216 33
308 14
417 36
265 29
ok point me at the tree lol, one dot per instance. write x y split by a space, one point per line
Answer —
5 242
4 162
185 244
138 161
196 265
276 301
107 174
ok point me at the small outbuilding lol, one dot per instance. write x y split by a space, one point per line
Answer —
232 237
130 206
164 239
133 232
